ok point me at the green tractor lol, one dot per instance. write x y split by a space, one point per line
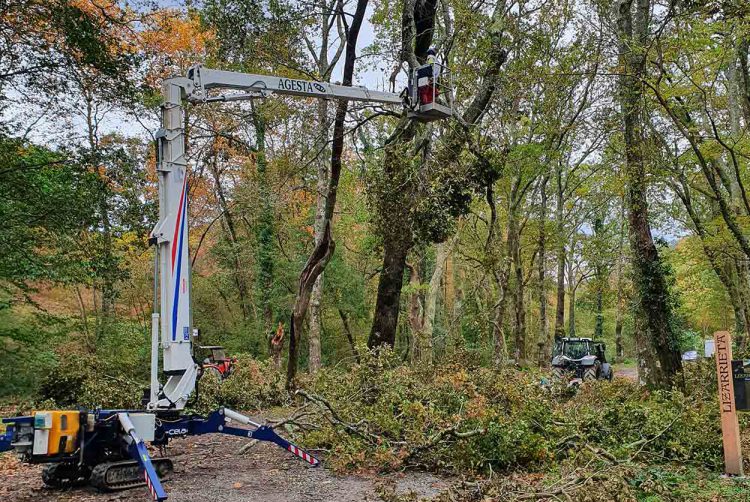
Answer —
576 360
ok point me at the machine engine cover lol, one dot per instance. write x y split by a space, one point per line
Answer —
56 432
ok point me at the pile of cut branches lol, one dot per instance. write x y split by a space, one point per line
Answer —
381 415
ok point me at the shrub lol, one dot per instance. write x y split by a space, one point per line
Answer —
82 381
253 385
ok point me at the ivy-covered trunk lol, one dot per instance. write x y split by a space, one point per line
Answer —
743 50
264 230
619 307
543 344
560 230
658 350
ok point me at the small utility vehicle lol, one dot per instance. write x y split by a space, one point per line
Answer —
217 362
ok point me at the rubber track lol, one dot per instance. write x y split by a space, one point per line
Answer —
63 474
100 473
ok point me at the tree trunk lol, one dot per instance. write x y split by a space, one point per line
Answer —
349 335
416 311
383 330
323 250
109 294
519 325
388 300
451 299
499 268
743 48
500 347
619 349
571 291
442 260
313 339
324 124
543 342
599 326
560 231
320 224
109 266
265 228
600 281
397 232
230 230
659 359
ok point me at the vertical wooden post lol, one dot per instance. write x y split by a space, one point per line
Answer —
730 430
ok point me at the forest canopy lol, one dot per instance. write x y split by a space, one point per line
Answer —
590 182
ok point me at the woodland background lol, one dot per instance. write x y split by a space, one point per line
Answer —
592 183
491 233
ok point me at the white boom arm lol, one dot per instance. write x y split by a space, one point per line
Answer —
205 79
174 321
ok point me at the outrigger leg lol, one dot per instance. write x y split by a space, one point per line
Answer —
264 433
216 422
137 449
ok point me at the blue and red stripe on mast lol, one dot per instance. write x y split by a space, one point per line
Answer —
177 243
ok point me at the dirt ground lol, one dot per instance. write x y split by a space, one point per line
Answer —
629 372
210 468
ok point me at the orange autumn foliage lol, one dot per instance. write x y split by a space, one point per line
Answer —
174 41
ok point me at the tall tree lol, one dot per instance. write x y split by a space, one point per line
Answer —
329 18
325 246
543 339
400 220
658 351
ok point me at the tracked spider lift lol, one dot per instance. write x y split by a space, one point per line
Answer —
107 448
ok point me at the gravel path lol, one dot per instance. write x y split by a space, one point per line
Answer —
628 372
209 468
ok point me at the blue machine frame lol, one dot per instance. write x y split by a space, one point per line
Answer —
112 426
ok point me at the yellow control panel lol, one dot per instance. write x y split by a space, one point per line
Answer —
56 432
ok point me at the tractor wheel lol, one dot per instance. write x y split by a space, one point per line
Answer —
558 374
589 374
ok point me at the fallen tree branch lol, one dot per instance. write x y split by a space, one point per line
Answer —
441 435
335 418
645 442
601 452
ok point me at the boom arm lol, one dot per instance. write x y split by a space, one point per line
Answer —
172 327
205 79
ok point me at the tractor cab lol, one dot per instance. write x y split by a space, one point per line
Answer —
431 93
580 359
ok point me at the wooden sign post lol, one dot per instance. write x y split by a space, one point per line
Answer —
730 429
